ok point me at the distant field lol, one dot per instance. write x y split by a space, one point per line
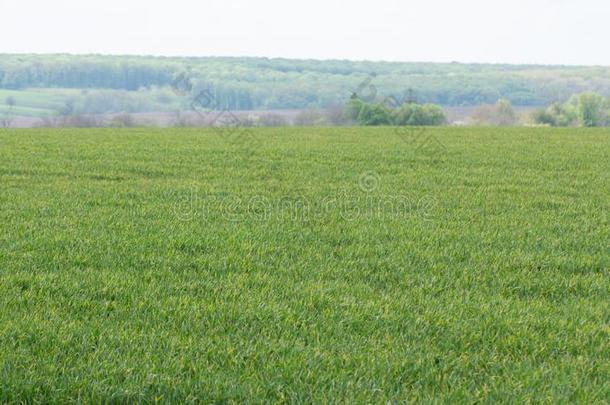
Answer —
352 265
34 102
23 119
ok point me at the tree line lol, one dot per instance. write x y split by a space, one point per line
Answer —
261 83
586 109
390 113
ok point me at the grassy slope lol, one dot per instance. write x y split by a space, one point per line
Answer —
48 102
129 269
34 102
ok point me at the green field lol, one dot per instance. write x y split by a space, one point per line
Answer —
34 102
351 265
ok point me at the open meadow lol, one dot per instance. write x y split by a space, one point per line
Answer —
327 265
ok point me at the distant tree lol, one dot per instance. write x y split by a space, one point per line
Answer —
374 114
433 115
592 110
505 113
587 110
405 115
353 108
544 117
257 83
483 115
10 101
499 114
419 115
557 115
335 115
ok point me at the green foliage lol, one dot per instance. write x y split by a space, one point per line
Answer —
260 83
353 108
587 110
374 114
177 266
553 116
419 115
592 110
43 102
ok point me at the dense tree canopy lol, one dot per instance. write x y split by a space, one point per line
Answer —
360 112
586 109
261 83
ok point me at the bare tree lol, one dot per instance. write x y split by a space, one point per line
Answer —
499 114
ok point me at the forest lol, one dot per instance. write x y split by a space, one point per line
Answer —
101 84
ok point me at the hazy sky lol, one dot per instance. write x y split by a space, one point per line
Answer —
517 31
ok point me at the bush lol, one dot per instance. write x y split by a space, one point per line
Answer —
419 115
335 115
374 114
386 113
499 114
544 117
592 110
353 108
587 110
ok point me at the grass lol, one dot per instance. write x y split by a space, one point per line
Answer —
310 265
49 102
34 102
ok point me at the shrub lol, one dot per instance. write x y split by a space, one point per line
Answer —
592 110
353 108
499 114
420 115
587 110
374 114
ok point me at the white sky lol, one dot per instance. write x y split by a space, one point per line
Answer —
517 31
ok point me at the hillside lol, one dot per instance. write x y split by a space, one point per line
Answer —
103 84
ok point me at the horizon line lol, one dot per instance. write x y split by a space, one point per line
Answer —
378 61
